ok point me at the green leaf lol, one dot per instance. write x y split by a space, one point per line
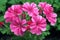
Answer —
0 28
1 18
17 38
58 27
14 1
41 37
3 5
48 27
3 2
56 1
3 31
46 33
27 17
2 8
58 20
56 6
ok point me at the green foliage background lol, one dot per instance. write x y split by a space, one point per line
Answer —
4 4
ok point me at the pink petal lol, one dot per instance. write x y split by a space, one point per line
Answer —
33 5
43 29
23 21
42 4
23 29
53 14
16 31
38 32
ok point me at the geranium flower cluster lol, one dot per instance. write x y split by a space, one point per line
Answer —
16 15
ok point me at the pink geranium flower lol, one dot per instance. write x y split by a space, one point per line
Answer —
12 12
46 7
38 25
48 11
50 15
15 9
30 8
18 27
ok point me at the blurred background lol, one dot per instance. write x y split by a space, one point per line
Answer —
52 33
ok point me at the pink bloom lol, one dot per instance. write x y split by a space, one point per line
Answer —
18 27
48 11
30 8
15 9
9 16
12 12
50 15
38 25
46 7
